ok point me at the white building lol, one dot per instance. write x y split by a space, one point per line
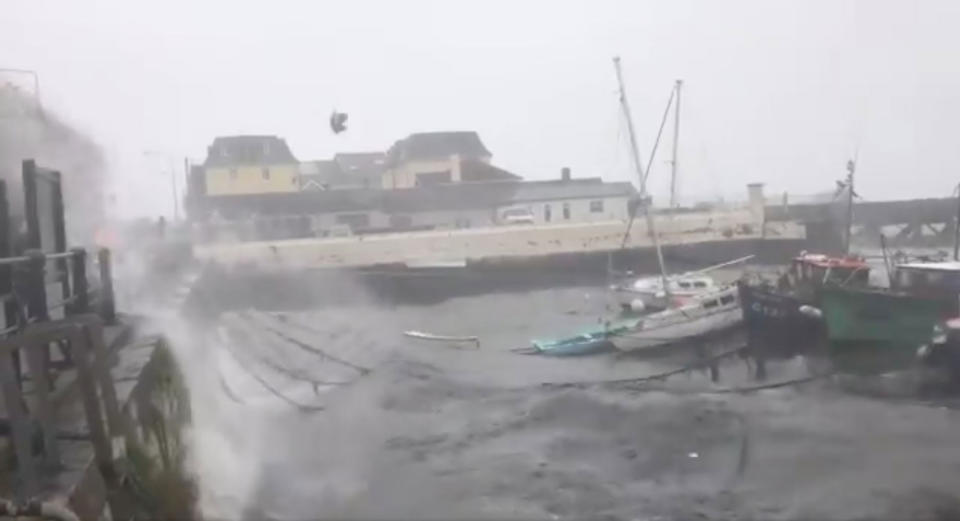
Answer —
451 205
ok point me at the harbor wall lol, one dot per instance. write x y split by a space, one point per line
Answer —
498 243
223 287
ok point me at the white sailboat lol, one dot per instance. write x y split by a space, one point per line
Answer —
647 293
708 310
700 315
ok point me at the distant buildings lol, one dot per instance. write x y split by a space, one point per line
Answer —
349 170
238 165
440 157
424 181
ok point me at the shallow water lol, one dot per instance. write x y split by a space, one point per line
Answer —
425 430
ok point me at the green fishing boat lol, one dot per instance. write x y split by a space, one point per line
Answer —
921 295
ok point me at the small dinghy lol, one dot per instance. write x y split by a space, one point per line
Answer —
420 335
587 343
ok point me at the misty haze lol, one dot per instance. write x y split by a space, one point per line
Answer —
430 259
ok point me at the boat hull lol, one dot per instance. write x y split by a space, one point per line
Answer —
880 316
574 348
680 324
776 315
589 342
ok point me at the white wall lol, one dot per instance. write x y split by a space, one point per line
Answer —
614 209
468 218
487 243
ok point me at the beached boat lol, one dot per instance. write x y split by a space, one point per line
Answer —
921 295
647 293
787 309
702 315
586 343
698 315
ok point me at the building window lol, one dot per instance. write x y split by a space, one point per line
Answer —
265 172
233 174
566 211
596 206
546 213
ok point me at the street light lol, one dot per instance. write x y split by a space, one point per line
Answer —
173 178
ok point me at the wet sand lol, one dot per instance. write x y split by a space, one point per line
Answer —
334 414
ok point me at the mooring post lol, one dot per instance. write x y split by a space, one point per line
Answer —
108 308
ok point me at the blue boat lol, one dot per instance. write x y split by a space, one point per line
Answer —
587 343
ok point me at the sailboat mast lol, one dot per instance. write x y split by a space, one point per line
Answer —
644 198
634 152
676 141
851 167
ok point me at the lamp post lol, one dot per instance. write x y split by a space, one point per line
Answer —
173 179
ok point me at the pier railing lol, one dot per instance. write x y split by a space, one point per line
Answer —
55 302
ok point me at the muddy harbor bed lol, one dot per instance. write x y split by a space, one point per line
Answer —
434 432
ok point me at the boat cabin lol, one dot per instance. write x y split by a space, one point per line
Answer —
679 284
928 278
817 270
692 283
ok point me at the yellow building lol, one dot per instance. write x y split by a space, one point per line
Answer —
239 165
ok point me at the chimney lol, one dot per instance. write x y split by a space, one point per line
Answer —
565 173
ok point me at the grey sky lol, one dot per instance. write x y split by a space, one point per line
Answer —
781 92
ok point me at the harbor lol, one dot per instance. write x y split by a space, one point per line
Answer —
629 261
493 433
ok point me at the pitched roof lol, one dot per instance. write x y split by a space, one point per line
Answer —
435 145
246 150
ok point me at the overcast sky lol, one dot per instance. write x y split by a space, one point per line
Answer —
775 91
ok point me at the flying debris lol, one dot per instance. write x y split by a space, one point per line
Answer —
338 121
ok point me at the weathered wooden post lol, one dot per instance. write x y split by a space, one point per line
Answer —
83 357
41 386
19 423
36 287
36 290
80 289
108 308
